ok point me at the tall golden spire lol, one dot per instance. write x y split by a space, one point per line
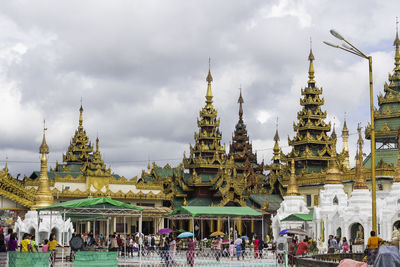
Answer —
276 149
209 95
397 44
311 67
360 176
293 188
97 144
43 197
397 170
81 116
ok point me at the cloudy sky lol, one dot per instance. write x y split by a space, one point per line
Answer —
140 68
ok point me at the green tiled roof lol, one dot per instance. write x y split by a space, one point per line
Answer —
389 156
164 172
300 217
274 201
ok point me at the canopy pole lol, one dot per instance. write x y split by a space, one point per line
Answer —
62 240
108 231
51 223
193 226
125 239
262 227
37 237
229 230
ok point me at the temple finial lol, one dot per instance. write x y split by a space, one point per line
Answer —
97 142
209 95
240 101
293 188
397 44
44 148
311 67
276 137
81 114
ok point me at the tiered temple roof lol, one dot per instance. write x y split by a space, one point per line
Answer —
387 118
276 169
312 147
207 154
244 159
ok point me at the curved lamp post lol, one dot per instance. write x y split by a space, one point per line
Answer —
348 47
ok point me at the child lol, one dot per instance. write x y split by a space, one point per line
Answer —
52 247
231 249
45 246
33 243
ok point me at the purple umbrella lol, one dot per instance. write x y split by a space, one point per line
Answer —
164 231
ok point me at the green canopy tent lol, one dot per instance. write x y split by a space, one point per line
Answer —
209 213
101 207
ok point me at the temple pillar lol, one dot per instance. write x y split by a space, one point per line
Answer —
88 226
239 226
252 226
190 225
219 225
114 224
180 224
140 224
212 226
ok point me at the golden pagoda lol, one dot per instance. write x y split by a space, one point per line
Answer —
312 147
43 196
293 188
276 169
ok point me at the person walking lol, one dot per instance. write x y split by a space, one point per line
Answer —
190 252
231 250
373 246
218 247
243 245
291 251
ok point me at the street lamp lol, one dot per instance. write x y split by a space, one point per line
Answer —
348 47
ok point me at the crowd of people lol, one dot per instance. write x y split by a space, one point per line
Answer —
9 242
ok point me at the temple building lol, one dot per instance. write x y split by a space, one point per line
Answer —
84 174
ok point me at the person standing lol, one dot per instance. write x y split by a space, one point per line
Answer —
12 243
52 248
231 249
190 252
256 244
332 244
26 244
238 244
302 248
373 246
2 244
345 245
34 245
45 246
172 245
7 237
291 251
243 247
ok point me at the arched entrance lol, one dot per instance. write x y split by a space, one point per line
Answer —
357 233
397 224
339 232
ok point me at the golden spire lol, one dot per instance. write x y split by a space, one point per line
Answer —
333 174
240 101
397 44
345 150
360 176
397 170
209 95
81 116
311 67
276 139
293 188
43 197
97 144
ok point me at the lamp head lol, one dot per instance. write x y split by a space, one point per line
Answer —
337 35
330 44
